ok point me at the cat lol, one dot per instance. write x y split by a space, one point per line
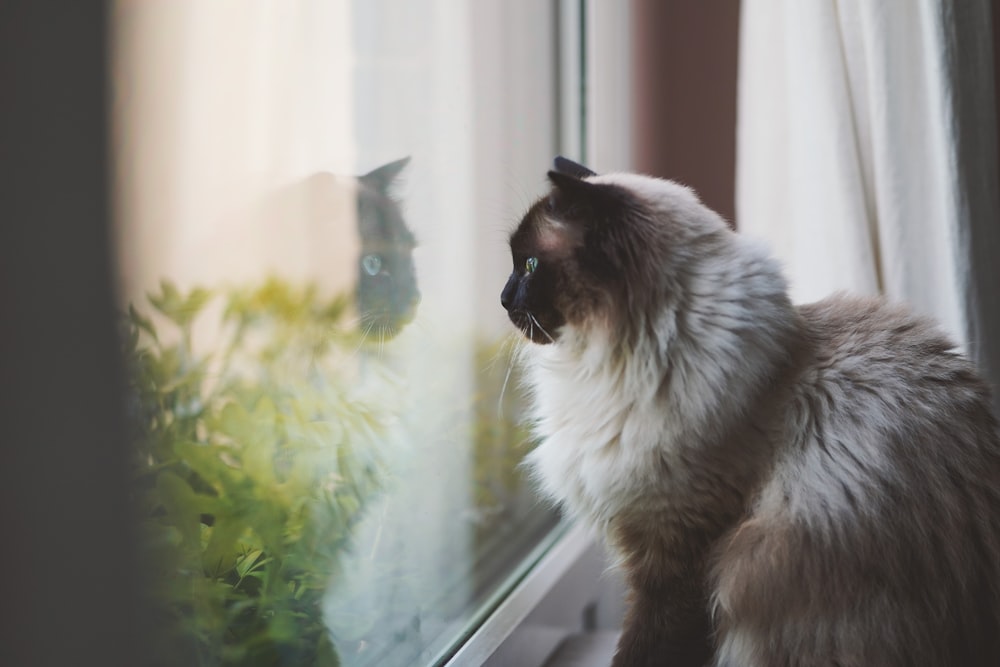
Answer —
344 234
387 293
813 485
357 234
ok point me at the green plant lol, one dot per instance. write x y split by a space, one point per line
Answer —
254 458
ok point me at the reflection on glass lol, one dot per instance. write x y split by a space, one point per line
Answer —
325 468
385 287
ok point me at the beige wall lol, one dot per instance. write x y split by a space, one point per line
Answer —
684 66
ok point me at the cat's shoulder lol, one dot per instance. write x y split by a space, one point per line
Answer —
868 351
844 322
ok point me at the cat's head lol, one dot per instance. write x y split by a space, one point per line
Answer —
613 251
387 293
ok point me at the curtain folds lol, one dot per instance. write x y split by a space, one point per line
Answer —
867 154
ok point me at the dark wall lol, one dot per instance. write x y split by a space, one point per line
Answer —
684 57
996 65
66 558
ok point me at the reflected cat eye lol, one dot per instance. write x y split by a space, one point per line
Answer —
372 264
531 265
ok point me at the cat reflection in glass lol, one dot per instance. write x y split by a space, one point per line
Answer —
387 294
781 485
356 238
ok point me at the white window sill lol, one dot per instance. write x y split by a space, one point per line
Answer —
569 594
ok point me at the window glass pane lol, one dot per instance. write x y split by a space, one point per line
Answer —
312 201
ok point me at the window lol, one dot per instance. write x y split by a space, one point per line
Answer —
312 201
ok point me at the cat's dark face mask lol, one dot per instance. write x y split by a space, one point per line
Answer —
575 252
529 297
535 295
387 293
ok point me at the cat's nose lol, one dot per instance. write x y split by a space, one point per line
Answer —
507 296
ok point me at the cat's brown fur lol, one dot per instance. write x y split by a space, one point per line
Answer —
810 486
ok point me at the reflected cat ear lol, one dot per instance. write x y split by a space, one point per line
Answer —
570 168
382 178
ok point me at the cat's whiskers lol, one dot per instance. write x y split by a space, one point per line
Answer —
511 360
352 321
541 328
506 343
383 331
364 335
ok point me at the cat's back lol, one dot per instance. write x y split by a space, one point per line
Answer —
892 382
872 345
887 411
880 521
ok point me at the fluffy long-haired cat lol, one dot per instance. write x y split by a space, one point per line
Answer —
783 485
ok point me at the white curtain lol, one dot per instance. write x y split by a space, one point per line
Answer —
867 154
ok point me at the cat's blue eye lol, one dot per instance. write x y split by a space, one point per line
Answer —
531 265
372 264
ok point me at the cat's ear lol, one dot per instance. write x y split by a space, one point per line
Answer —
382 178
570 168
579 191
572 185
